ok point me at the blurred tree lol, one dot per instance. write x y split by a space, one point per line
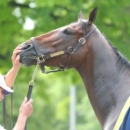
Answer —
22 19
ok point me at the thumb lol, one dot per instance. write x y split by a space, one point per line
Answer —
25 100
30 101
17 59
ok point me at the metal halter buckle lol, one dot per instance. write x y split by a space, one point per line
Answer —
40 59
70 50
82 40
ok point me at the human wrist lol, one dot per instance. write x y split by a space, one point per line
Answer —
22 116
11 76
15 69
21 121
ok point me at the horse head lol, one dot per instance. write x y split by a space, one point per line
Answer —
63 47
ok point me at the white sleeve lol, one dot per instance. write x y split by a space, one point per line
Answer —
2 128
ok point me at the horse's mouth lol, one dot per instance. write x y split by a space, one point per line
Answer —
25 55
27 60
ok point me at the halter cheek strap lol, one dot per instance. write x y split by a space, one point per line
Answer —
40 59
35 46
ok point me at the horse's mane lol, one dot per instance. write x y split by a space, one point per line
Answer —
122 60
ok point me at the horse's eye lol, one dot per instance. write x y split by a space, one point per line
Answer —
67 32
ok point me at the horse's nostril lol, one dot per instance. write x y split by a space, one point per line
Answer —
26 46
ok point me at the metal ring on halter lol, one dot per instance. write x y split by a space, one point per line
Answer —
82 40
40 59
70 50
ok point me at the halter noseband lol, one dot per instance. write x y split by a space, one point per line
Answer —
70 50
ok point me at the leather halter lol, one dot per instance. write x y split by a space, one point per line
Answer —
70 50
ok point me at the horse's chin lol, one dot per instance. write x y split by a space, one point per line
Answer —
25 58
27 61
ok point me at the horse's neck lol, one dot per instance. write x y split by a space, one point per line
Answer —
100 77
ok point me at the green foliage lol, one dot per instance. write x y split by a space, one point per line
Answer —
51 92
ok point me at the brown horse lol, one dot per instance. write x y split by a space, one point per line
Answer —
80 45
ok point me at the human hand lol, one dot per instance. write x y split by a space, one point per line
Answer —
15 57
25 111
26 108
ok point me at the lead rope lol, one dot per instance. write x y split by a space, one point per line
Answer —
4 112
11 110
31 84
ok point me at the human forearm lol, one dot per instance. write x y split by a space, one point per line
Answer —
11 76
20 124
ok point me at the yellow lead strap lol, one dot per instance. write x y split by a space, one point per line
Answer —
122 114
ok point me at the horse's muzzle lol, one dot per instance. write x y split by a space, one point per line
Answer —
27 50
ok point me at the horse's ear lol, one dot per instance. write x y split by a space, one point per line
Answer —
80 15
92 16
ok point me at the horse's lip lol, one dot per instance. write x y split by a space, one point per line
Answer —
33 57
25 60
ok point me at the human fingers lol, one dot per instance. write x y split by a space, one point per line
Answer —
25 100
29 104
17 60
19 47
18 57
30 101
15 53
